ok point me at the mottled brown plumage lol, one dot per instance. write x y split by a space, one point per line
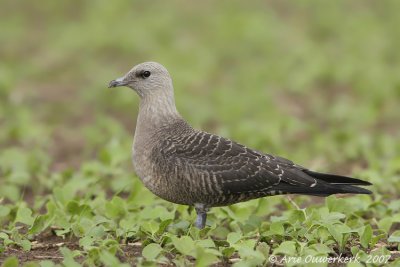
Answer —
191 167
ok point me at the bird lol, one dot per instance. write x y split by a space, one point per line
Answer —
186 166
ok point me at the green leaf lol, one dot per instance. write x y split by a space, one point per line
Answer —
6 238
116 208
69 257
151 251
150 226
366 236
184 245
86 242
321 248
394 205
24 215
10 191
335 234
334 217
233 238
286 248
156 212
10 262
205 257
41 222
247 251
205 243
25 244
228 252
163 226
47 263
109 259
385 223
74 208
264 249
395 237
296 216
277 228
4 211
31 264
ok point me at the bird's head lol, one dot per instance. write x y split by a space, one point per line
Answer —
145 78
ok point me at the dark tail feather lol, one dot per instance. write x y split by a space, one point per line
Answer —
336 179
327 184
321 189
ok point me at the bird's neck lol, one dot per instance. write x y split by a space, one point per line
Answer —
157 109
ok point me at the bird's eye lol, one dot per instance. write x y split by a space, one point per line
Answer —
146 74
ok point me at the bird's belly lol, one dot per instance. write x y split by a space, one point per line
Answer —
180 187
174 189
161 185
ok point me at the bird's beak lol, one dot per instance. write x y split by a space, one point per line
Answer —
117 82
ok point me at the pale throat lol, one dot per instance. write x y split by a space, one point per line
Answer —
157 108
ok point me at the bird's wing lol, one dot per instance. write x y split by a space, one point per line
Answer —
236 168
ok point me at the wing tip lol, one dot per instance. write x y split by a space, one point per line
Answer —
335 179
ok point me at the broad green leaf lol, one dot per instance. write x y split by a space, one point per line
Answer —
73 207
10 191
334 217
228 252
116 208
4 211
366 236
205 257
31 264
10 262
286 248
24 215
264 249
47 263
41 223
5 237
151 251
205 243
395 237
163 226
109 259
233 238
184 245
150 226
385 223
296 216
69 257
321 248
277 228
335 234
394 205
86 241
25 244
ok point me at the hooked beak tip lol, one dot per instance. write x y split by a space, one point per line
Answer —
112 84
116 83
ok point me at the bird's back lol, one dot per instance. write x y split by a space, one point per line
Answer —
187 166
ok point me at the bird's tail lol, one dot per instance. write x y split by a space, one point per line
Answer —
337 184
336 179
327 184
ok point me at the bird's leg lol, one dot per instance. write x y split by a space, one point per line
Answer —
201 211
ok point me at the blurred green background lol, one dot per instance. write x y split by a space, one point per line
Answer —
314 81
